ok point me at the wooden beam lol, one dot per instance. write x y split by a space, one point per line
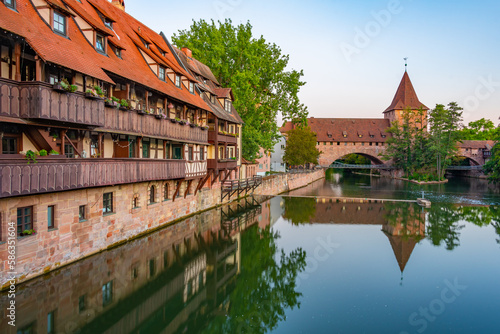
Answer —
177 190
71 143
17 53
202 182
187 188
227 174
215 176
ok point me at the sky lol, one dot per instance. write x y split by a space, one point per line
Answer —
352 52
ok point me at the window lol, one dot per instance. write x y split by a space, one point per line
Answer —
135 273
177 152
50 322
50 216
81 304
190 153
24 219
145 148
53 79
59 23
108 23
152 267
191 87
178 81
82 213
9 145
107 293
260 166
107 203
100 43
152 192
227 105
135 202
338 143
165 192
69 151
10 4
202 153
161 73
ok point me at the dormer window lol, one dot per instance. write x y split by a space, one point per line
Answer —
161 73
191 87
178 81
10 3
108 24
344 134
59 23
227 105
100 43
116 51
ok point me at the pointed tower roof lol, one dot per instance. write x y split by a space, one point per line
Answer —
405 96
402 248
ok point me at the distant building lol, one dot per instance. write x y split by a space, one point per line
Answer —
277 164
264 162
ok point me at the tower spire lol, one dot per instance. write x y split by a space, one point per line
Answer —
406 64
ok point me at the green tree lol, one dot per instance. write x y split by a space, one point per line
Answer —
301 147
256 71
444 135
482 129
492 166
299 210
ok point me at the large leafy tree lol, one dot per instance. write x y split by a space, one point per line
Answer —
492 166
444 135
301 147
482 129
256 71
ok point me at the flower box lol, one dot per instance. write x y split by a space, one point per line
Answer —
192 125
157 116
92 96
58 87
141 112
173 120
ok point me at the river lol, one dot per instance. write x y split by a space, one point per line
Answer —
312 261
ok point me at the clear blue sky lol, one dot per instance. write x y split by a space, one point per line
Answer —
353 59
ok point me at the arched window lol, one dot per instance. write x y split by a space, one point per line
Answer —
152 192
165 191
135 201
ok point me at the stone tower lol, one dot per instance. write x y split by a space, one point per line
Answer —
405 98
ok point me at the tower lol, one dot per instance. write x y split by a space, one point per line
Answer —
405 98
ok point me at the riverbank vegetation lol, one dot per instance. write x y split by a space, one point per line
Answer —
256 71
424 146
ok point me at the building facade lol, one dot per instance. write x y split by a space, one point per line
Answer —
105 132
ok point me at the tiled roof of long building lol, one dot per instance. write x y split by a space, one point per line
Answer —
76 53
347 129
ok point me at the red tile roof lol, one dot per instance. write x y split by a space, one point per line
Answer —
334 129
476 144
406 97
75 52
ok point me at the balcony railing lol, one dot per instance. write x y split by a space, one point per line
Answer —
17 177
148 125
222 164
38 100
214 136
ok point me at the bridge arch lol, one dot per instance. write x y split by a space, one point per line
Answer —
328 160
473 161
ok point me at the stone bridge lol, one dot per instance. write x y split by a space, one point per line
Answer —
331 153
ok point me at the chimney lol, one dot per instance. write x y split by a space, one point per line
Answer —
119 3
187 52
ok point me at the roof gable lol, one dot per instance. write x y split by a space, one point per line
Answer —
406 97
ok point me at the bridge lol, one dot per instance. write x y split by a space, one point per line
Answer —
338 165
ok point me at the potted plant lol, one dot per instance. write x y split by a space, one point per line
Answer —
159 116
94 92
43 153
141 111
124 105
204 127
67 86
193 125
112 102
174 120
31 156
27 232
53 152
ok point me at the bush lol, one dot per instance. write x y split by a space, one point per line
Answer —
43 153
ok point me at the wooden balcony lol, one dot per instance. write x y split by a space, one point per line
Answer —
38 100
17 177
148 125
221 164
214 136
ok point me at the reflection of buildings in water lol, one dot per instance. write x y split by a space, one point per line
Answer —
277 209
156 283
402 223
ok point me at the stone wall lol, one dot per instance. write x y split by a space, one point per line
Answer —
71 239
279 183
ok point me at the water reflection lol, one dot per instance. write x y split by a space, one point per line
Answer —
215 272
462 190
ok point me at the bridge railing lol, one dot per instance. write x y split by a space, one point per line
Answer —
464 168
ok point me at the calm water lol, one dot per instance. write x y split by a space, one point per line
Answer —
292 265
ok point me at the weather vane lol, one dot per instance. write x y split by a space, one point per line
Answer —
406 63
